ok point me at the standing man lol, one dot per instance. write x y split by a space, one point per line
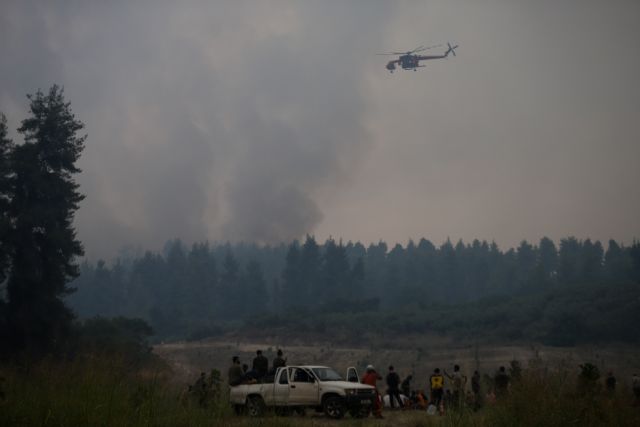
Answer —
459 382
279 361
635 383
235 372
475 387
260 365
371 378
610 382
501 382
393 388
437 383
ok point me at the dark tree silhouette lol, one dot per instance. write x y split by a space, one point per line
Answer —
43 244
6 147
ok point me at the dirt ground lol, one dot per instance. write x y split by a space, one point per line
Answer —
410 355
395 419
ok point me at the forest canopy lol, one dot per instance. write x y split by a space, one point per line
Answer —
561 294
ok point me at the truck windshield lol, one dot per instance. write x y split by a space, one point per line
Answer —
326 374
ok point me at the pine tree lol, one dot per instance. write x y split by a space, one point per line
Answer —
43 243
6 148
291 276
256 288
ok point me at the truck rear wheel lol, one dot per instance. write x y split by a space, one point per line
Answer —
334 407
255 406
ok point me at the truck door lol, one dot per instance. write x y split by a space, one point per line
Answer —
304 387
281 388
352 375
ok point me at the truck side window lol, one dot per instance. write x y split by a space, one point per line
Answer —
302 376
284 377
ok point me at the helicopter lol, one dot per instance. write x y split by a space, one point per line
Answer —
411 61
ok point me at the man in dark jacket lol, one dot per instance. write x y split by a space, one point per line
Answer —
501 382
393 383
260 365
279 361
235 372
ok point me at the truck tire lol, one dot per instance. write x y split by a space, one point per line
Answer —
255 406
334 407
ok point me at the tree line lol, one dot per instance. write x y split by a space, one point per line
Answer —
191 291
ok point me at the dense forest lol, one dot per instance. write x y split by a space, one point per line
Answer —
565 293
198 291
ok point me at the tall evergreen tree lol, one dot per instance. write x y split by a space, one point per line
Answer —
526 257
255 288
310 285
229 284
617 263
203 281
569 261
291 276
6 148
591 259
547 263
43 243
335 272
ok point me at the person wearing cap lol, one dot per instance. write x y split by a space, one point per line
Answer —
371 378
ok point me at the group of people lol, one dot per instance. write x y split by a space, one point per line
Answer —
240 374
611 382
206 388
400 394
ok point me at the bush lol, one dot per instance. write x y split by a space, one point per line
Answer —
120 336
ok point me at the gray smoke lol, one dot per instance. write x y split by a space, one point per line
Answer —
266 120
206 121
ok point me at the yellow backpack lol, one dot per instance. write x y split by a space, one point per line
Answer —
437 381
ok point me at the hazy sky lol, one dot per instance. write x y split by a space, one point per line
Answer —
266 120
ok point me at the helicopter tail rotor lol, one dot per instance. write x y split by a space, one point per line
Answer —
451 50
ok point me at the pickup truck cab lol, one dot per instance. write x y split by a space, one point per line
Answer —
296 387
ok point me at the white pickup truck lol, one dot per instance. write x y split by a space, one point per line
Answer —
299 387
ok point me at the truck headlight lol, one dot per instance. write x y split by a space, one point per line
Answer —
350 391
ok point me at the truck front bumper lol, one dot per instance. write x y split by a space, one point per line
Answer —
361 399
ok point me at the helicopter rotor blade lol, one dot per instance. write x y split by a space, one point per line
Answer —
421 48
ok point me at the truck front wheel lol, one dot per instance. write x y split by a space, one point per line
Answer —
255 406
334 407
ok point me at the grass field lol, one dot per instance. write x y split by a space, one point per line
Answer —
410 355
99 391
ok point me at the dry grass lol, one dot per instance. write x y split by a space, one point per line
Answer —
107 392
